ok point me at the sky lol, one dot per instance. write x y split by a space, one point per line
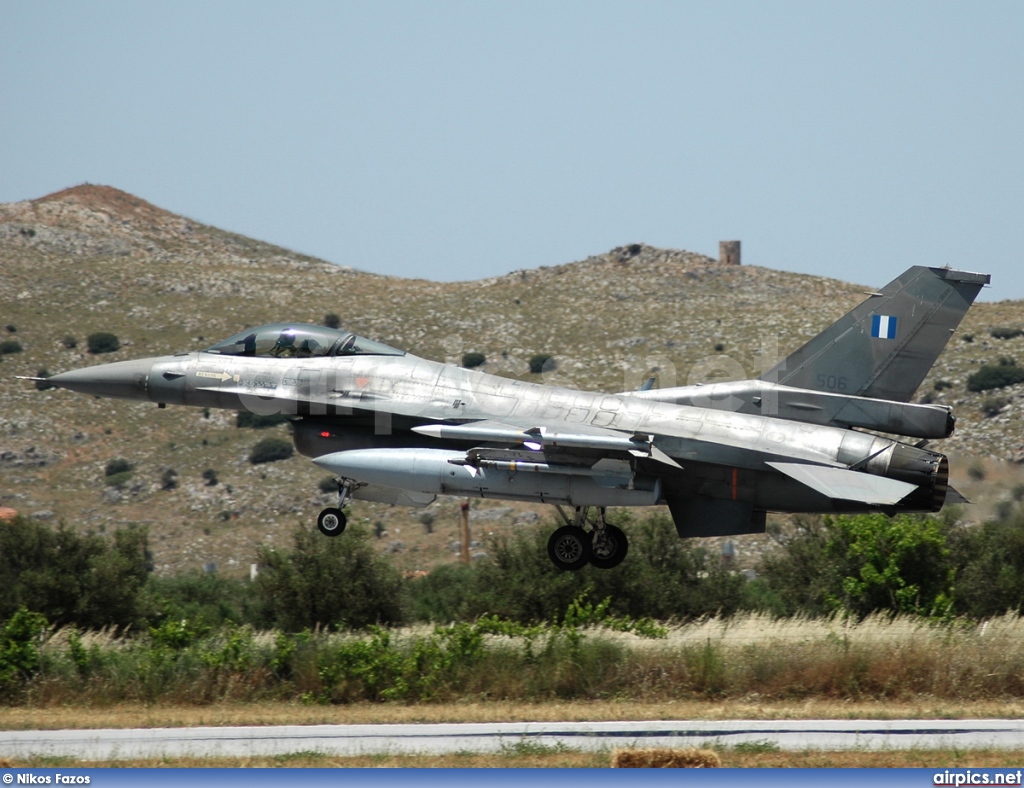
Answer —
453 140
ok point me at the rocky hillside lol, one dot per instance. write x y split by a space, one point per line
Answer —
93 258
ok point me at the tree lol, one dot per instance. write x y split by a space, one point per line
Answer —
205 599
90 581
324 582
990 566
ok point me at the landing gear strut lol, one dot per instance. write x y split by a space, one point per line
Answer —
572 547
332 521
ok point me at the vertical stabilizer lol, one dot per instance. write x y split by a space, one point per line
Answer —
886 345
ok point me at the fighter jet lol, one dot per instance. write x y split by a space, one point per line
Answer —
829 429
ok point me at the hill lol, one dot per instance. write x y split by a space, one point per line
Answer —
93 258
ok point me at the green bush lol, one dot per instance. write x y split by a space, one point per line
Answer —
1006 332
118 465
862 564
473 360
19 648
9 346
271 450
331 320
205 598
325 581
1006 373
118 472
447 593
663 577
542 362
102 342
247 420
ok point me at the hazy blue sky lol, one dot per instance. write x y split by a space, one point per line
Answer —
458 140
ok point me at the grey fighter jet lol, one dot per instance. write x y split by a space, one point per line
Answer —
829 429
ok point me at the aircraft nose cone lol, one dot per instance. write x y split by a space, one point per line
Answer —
123 379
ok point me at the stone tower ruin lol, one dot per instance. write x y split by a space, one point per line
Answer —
729 252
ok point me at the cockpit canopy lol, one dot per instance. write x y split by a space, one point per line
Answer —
299 340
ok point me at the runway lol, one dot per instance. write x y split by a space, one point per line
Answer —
111 744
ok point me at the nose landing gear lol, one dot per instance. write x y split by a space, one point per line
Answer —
332 520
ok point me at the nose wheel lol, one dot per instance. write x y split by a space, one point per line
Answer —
332 520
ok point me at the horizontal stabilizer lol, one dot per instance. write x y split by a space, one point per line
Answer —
847 485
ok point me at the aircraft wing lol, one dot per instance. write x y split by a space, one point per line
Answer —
845 484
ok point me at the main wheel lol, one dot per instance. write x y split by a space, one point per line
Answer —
569 548
331 522
608 549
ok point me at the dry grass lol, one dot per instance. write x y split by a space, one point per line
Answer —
159 716
665 759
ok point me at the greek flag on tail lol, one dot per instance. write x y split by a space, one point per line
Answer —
883 326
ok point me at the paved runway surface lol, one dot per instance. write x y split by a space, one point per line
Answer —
494 737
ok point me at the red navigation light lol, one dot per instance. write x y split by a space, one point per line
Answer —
325 434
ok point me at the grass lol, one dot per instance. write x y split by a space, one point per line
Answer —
294 713
750 660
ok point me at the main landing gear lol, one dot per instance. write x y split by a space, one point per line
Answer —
572 546
332 521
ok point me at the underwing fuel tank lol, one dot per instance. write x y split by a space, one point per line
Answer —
440 472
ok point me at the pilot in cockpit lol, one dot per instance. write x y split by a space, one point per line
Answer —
285 345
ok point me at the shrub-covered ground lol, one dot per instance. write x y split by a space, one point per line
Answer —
855 608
